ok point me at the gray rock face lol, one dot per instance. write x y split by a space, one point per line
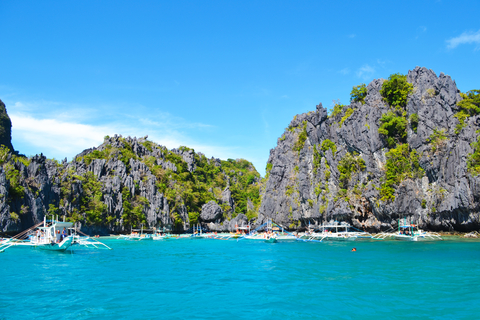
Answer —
303 182
211 212
5 127
127 185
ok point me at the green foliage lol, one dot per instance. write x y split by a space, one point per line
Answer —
470 103
414 122
4 152
289 190
327 172
437 139
317 158
473 161
337 108
393 127
251 214
359 93
461 116
91 201
193 217
14 216
328 144
401 164
469 106
348 113
396 90
349 164
424 203
302 137
268 169
16 190
148 144
52 210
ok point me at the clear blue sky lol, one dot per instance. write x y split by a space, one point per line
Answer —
222 77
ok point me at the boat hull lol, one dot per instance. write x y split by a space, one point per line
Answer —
62 246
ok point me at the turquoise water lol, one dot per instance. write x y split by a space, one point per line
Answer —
213 279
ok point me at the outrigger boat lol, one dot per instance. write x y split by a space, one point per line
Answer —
272 233
137 235
161 235
54 235
409 232
334 231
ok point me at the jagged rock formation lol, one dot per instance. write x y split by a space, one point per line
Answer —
125 183
307 181
5 127
368 163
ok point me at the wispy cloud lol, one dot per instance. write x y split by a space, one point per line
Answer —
59 136
345 71
56 137
352 35
365 72
464 38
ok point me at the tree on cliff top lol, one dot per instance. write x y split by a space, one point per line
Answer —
396 90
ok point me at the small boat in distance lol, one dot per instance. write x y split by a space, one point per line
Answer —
138 234
335 231
408 232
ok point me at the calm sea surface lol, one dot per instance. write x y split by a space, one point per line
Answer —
213 279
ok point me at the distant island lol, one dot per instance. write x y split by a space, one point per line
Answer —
405 147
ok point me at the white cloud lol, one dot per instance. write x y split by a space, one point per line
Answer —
464 38
58 138
345 71
365 72
55 136
58 135
352 35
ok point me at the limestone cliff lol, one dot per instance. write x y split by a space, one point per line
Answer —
308 180
5 127
127 183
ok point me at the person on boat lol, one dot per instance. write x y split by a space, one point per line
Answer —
64 233
59 236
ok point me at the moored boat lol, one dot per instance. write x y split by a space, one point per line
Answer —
335 231
408 232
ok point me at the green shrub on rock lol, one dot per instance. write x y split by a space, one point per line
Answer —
337 108
473 161
348 113
348 165
396 90
469 106
401 164
393 127
329 144
414 122
359 93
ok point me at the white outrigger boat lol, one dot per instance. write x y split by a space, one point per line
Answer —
272 233
161 235
137 235
335 231
52 236
409 232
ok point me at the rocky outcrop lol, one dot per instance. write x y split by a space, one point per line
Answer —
121 184
303 180
211 212
5 127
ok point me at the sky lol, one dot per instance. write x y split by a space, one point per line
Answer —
222 77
